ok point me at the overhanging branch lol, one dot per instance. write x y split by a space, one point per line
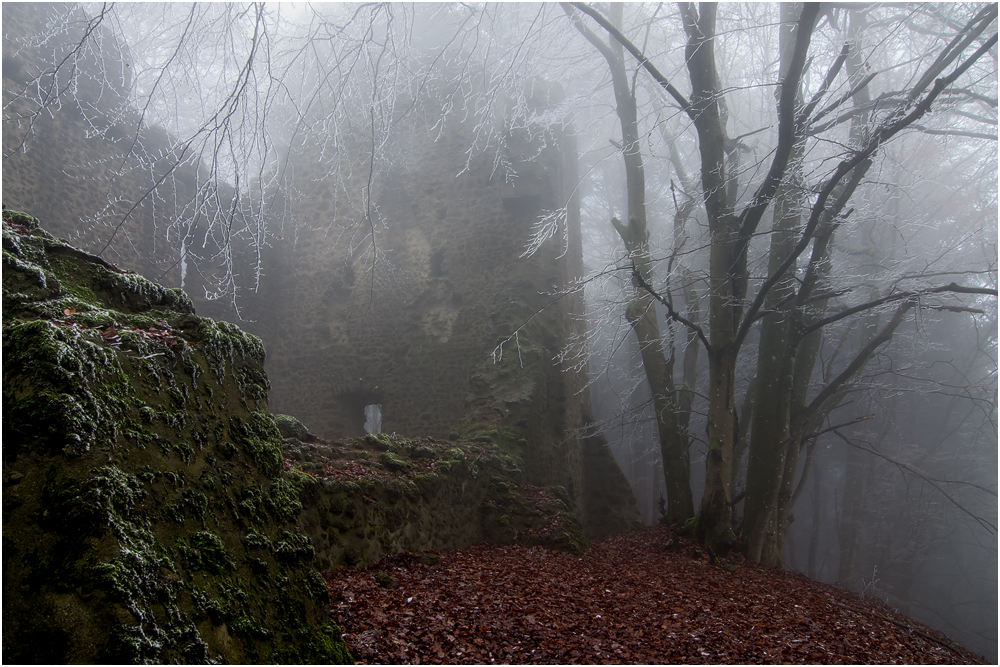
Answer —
899 296
634 50
933 482
860 359
819 210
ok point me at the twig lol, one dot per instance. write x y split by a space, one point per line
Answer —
947 644
673 314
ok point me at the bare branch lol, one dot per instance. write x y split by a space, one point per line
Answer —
631 48
860 359
673 314
956 133
930 480
899 296
819 210
788 127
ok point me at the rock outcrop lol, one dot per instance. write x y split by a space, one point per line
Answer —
146 517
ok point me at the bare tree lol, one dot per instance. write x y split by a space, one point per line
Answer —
733 314
641 313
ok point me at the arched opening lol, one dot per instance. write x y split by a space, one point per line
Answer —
373 418
361 408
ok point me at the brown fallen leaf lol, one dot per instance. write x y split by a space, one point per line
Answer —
518 605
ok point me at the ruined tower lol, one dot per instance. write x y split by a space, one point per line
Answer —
460 330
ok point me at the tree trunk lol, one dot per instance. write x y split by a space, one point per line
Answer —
641 311
811 571
852 516
713 524
743 436
786 419
769 438
802 419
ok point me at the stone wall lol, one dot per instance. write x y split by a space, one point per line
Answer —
367 498
447 280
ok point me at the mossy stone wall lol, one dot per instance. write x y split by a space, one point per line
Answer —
420 495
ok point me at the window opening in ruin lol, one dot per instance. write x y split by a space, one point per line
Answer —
437 259
359 408
373 418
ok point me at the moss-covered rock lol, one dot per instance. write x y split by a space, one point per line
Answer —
290 427
146 516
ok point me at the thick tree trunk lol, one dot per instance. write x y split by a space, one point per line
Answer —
803 420
780 425
770 435
714 521
743 434
713 524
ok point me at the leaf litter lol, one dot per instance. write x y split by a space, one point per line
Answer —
642 597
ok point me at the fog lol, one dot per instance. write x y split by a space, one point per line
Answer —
889 435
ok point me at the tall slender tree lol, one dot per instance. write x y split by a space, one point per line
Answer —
641 311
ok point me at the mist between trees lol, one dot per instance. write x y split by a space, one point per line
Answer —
789 222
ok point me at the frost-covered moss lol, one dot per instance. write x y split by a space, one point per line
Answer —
293 547
282 497
222 342
258 435
205 551
68 391
393 462
146 517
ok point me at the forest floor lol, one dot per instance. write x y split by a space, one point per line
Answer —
640 597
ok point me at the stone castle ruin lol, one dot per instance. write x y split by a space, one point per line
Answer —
458 336
453 333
